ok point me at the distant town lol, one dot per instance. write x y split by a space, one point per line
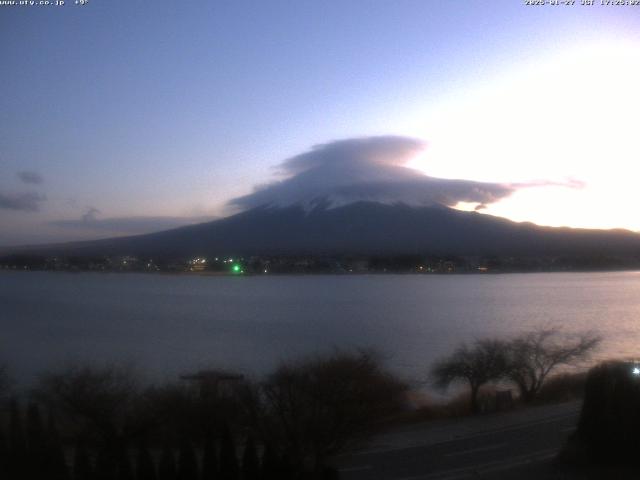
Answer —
314 264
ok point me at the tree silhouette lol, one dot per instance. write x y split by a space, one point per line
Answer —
145 469
534 355
269 465
322 406
187 461
82 469
167 466
58 469
285 467
95 399
209 458
105 464
4 455
36 443
17 444
228 456
250 462
123 462
484 361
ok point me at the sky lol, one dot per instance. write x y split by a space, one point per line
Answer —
126 117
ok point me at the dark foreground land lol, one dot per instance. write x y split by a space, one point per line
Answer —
518 445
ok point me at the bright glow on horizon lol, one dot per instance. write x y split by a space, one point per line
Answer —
166 138
571 116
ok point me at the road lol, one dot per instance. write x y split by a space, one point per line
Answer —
484 447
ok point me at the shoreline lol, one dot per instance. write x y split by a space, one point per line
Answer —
325 274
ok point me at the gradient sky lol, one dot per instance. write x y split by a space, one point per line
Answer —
118 117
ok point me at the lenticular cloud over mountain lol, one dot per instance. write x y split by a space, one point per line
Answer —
366 169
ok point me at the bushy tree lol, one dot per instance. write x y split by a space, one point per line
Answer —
324 405
534 355
174 409
608 430
97 399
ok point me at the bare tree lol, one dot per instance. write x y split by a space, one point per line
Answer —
532 357
478 364
321 406
97 400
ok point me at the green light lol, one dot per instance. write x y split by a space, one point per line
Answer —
236 268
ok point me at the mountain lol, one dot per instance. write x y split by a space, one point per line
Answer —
363 228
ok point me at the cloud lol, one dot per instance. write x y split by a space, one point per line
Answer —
568 183
29 177
25 202
91 215
89 222
367 169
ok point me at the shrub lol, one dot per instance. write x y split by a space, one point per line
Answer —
609 425
322 406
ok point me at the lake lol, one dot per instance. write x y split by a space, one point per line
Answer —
170 324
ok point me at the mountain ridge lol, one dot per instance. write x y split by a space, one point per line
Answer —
367 228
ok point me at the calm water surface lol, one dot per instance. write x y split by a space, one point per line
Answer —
168 324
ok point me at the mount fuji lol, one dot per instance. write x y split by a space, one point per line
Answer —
363 228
